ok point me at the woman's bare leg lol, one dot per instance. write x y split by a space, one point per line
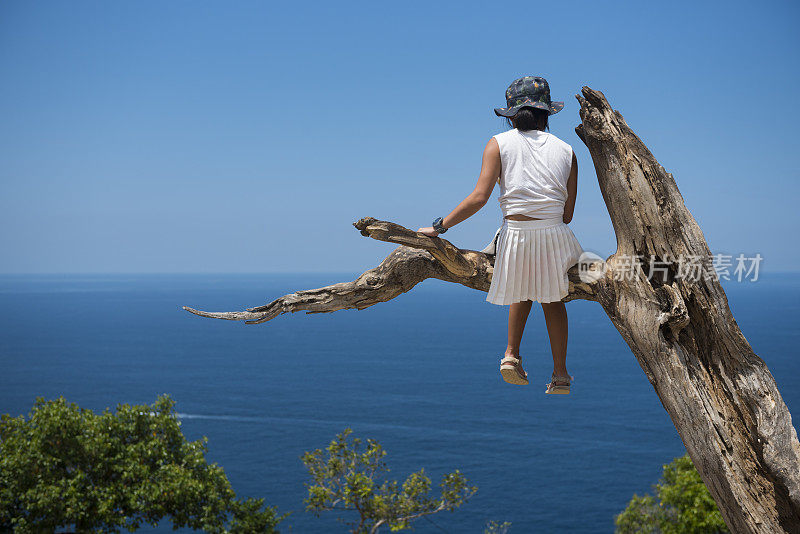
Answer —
517 317
555 317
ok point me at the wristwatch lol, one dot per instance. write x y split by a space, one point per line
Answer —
437 225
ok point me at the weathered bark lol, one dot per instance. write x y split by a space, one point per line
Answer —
720 395
718 392
420 257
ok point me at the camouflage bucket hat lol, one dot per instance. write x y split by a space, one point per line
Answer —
530 91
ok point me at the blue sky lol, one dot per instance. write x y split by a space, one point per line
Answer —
248 136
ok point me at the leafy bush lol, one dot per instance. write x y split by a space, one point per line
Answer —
683 505
67 467
345 477
493 527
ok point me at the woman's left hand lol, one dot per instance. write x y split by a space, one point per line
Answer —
429 231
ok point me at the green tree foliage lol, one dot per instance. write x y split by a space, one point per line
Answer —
682 505
348 477
68 467
493 527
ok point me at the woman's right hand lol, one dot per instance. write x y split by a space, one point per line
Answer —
428 231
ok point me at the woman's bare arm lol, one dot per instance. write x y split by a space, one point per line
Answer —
490 172
572 190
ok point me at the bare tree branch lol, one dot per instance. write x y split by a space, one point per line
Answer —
418 258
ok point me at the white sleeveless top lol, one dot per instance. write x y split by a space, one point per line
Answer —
534 173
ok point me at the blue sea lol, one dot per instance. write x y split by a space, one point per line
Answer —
419 374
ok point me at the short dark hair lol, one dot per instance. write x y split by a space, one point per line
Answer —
529 119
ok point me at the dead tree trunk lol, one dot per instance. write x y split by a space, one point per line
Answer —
718 392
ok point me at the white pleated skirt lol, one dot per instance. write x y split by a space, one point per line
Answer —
531 261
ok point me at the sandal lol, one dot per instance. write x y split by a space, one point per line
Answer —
512 371
562 389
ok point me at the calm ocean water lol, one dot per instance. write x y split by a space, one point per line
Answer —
419 374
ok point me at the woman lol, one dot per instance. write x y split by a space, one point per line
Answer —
538 177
